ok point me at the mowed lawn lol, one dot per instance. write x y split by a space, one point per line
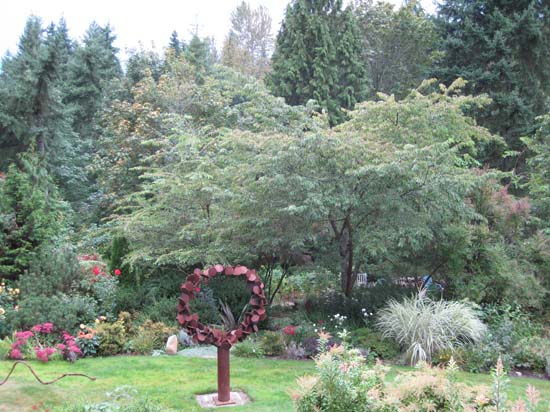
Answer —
174 381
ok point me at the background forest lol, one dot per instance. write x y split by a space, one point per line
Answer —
362 139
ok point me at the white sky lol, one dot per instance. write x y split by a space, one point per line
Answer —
146 22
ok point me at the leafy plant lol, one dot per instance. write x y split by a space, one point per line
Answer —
373 341
249 348
273 343
150 336
423 326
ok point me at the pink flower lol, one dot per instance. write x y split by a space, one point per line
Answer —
50 351
96 270
16 354
41 355
61 347
197 289
117 272
47 327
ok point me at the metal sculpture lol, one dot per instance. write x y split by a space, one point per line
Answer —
223 340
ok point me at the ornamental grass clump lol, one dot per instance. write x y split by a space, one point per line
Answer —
423 326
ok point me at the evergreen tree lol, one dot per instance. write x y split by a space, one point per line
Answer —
32 112
94 66
501 48
175 45
201 53
318 56
31 214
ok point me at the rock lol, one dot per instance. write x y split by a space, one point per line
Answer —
172 345
184 338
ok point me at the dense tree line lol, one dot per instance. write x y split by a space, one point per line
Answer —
328 147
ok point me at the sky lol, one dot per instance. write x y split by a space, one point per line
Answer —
146 23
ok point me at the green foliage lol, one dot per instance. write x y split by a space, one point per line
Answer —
272 343
373 341
506 326
32 214
532 353
114 336
539 170
342 383
150 336
500 48
423 327
54 269
317 56
163 310
249 348
232 291
119 249
64 311
399 46
5 348
363 300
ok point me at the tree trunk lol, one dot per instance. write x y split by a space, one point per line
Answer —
346 255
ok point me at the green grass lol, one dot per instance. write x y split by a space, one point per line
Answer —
174 381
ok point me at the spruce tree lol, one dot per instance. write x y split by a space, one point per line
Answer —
175 45
32 111
318 56
32 213
501 48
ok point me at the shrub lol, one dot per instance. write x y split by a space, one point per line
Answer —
87 340
532 353
424 327
114 336
66 312
150 336
249 348
42 342
426 388
363 299
272 343
163 310
381 347
507 326
53 271
343 382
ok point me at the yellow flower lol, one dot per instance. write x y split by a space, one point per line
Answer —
82 326
97 321
2 311
16 291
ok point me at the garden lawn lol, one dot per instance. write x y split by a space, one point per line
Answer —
174 381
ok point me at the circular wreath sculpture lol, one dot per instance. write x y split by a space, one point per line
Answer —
200 332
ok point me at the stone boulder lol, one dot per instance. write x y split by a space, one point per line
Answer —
172 345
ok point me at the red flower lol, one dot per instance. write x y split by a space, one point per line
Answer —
320 321
197 289
96 270
290 330
117 272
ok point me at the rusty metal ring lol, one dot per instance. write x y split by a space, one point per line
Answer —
202 333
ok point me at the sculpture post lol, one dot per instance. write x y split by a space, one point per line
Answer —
224 387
